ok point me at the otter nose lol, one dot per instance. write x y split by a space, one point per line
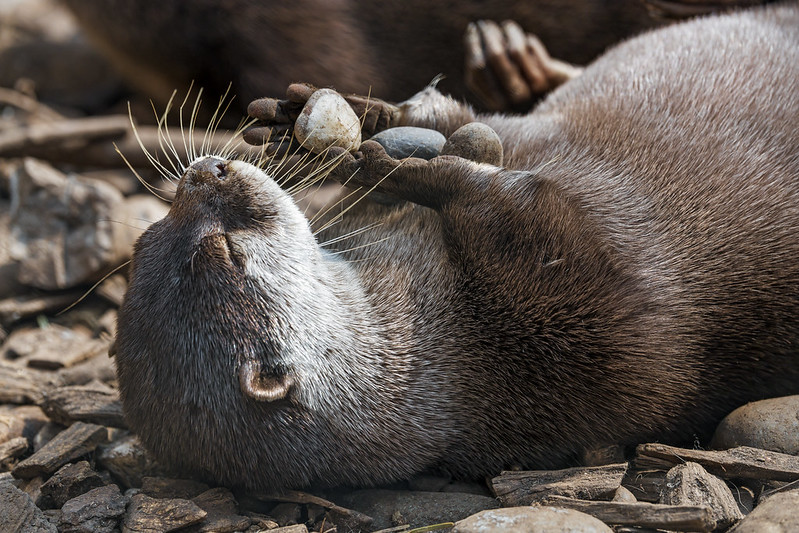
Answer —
208 170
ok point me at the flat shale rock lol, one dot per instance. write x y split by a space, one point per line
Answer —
128 461
70 481
690 484
530 520
777 514
393 507
771 424
77 440
19 513
149 515
96 511
94 403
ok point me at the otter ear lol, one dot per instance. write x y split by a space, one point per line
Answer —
260 386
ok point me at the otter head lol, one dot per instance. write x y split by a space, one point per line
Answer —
226 330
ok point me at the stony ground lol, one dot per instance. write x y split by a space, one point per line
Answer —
69 213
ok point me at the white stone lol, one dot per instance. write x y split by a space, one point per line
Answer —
327 120
530 520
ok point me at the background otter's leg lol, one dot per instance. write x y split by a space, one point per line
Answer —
509 70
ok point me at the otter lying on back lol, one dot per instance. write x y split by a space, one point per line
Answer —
629 274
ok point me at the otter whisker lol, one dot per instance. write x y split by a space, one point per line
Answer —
164 137
91 289
153 160
351 234
377 184
153 190
362 246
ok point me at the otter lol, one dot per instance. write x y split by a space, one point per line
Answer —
627 274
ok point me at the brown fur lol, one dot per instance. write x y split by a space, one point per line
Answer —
392 48
629 275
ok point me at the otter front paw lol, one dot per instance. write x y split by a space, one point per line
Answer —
508 69
277 119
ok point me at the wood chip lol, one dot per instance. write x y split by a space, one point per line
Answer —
651 515
148 515
22 386
690 484
742 462
165 487
346 519
12 449
52 347
20 307
70 481
94 403
222 511
523 488
72 443
98 510
128 461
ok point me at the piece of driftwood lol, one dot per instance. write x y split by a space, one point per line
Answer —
14 142
17 308
23 386
646 485
651 515
741 462
690 484
72 443
149 515
101 151
94 403
347 519
587 483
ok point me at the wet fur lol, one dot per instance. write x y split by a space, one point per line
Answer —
630 275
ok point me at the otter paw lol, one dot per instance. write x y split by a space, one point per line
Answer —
276 119
370 167
508 69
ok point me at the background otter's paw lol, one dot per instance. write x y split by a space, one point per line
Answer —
508 69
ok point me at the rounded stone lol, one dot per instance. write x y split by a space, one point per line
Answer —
777 514
771 424
409 141
530 520
327 120
477 142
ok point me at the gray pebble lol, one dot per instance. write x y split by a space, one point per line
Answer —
408 141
